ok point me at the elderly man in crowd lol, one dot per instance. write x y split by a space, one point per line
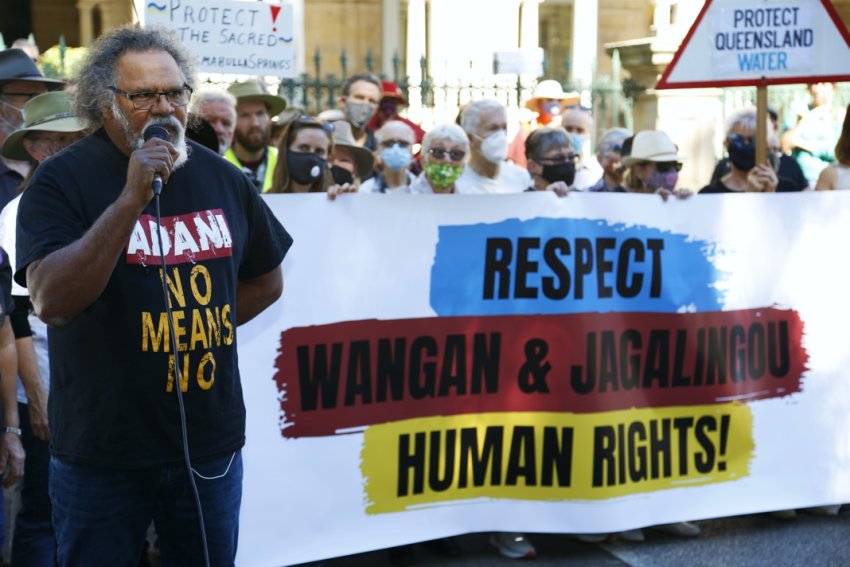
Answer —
579 123
217 107
485 123
395 140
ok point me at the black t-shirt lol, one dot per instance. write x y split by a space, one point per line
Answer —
111 400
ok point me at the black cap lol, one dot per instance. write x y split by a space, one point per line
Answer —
15 65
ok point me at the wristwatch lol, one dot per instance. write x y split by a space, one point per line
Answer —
9 429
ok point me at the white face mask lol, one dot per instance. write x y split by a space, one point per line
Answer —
494 147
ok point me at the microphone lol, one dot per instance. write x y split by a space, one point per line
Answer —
156 131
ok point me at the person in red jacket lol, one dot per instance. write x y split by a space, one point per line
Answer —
392 99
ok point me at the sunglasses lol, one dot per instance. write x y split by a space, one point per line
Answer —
307 120
454 155
663 166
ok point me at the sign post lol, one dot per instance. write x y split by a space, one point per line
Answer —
736 43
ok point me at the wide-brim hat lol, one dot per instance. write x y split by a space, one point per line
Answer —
15 65
255 91
48 112
343 138
652 145
551 90
391 91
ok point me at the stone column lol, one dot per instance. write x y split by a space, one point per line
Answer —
390 21
583 52
529 25
415 39
86 23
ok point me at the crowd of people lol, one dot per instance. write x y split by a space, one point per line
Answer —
364 146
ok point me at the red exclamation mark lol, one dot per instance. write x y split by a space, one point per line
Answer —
724 440
275 12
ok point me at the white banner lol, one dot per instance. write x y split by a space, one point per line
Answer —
443 365
245 38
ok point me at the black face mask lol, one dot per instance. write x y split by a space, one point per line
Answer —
304 167
565 172
341 175
742 156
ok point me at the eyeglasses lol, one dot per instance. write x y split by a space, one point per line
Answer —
667 166
400 143
148 99
454 155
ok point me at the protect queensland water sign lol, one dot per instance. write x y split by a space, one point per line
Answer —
752 42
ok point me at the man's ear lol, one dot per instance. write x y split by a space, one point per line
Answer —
342 101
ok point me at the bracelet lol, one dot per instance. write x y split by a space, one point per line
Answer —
14 430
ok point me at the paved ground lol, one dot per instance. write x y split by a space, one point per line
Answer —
744 541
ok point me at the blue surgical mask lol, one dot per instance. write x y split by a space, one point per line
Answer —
552 107
578 142
395 157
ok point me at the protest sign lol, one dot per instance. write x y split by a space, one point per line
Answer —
752 42
246 38
441 365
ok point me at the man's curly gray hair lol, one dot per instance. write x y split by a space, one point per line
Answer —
99 70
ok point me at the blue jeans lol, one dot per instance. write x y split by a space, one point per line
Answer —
101 515
34 543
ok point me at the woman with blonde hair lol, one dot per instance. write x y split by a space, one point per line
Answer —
837 175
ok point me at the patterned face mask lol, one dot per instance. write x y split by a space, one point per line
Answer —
442 175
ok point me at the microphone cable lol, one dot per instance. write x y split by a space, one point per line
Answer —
177 385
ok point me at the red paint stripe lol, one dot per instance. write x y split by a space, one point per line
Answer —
567 338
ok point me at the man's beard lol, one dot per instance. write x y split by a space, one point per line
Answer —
251 141
136 140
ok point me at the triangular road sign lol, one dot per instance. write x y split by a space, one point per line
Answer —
761 42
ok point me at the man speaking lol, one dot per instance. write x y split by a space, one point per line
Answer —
142 298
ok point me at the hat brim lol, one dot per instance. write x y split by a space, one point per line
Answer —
658 158
363 158
534 102
13 147
52 84
393 96
275 104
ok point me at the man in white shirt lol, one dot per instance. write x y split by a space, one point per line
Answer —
485 123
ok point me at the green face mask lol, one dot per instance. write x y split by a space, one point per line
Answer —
442 175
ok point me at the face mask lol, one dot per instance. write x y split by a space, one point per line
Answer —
552 107
395 157
442 175
389 107
359 113
658 180
565 172
741 155
341 175
578 142
304 167
494 147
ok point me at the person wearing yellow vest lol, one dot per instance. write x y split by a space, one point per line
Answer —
251 151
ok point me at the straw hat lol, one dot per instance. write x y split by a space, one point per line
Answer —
550 90
343 138
15 65
255 91
48 112
652 145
